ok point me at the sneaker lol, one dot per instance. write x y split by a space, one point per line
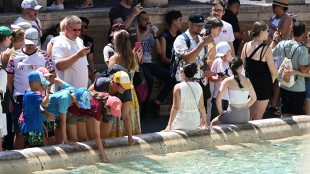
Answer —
155 108
272 110
56 7
278 112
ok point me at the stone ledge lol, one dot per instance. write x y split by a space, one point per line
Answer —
60 156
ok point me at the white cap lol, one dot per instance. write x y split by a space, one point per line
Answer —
222 48
31 36
33 4
22 25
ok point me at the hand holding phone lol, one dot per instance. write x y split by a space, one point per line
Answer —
220 74
137 45
89 45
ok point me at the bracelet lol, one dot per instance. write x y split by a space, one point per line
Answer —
274 41
156 37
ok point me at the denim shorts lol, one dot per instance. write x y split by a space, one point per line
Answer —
307 80
110 118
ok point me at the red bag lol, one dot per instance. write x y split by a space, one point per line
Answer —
141 91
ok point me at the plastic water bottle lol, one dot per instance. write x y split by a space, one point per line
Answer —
154 28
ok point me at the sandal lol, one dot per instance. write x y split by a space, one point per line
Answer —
84 6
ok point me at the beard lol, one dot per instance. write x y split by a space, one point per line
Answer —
142 27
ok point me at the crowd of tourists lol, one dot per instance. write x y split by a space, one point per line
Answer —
52 94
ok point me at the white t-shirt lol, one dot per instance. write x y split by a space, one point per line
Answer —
77 74
20 64
34 24
108 52
227 33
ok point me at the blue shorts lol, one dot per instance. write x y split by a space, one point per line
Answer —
110 118
307 80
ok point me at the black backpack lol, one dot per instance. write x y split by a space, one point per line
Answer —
174 64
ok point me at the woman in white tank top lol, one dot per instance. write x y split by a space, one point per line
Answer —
188 103
239 88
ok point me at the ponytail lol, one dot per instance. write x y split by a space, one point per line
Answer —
234 64
101 98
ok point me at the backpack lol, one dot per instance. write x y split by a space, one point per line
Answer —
285 80
174 64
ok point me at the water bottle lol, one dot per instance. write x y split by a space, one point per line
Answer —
154 28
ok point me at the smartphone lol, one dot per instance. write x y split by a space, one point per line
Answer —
220 74
137 45
279 33
89 45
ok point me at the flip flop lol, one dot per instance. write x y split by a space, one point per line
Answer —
84 6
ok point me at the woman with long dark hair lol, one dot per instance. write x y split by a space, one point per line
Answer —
239 88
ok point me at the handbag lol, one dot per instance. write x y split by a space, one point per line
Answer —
140 84
283 78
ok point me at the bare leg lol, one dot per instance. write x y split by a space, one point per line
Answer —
72 132
57 2
216 121
18 141
105 129
58 135
257 110
90 128
307 107
81 131
276 90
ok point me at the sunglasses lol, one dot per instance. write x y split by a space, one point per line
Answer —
76 29
217 10
85 26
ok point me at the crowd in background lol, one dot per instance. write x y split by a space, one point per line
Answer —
52 94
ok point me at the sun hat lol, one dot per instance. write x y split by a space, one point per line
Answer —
122 78
115 105
31 36
37 76
222 48
33 4
282 3
22 25
197 19
5 31
83 96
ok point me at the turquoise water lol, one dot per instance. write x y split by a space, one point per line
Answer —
270 157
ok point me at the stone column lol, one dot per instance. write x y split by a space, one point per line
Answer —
15 5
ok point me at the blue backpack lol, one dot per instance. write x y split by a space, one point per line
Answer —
174 64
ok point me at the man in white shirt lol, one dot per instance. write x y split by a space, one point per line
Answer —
69 54
29 14
227 34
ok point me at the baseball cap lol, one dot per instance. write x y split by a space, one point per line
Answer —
33 4
5 31
222 48
116 27
22 25
45 71
197 19
37 76
83 96
122 78
282 3
115 105
31 36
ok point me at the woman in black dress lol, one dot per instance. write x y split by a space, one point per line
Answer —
260 68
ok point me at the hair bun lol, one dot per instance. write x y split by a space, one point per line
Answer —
190 69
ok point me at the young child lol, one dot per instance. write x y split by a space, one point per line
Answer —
58 105
221 67
32 127
103 107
